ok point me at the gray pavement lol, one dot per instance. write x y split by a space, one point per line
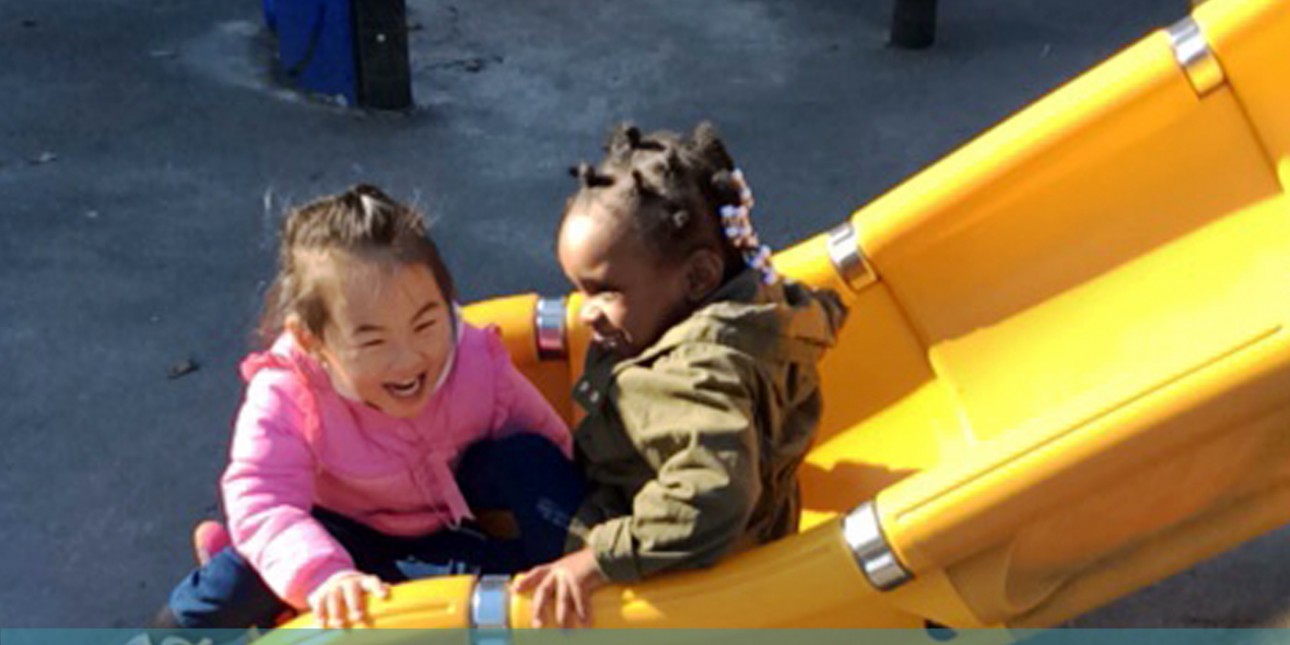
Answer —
144 155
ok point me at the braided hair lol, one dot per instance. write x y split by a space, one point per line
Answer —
668 188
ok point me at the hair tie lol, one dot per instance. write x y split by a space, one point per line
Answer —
736 223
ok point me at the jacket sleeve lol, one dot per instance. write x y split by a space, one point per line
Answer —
521 407
268 491
690 415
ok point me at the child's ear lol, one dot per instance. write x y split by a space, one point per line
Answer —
305 338
703 274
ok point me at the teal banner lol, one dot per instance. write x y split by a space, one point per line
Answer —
649 637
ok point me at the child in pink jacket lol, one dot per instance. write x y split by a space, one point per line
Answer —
371 427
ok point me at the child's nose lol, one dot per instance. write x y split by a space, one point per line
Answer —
589 313
410 355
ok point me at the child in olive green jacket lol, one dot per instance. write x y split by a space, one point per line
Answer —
700 388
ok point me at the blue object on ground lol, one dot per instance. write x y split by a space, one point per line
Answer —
316 44
270 15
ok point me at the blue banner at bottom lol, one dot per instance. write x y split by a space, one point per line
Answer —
940 636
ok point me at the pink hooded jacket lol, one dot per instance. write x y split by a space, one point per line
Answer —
299 444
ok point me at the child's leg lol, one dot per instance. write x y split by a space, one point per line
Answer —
227 592
528 476
224 593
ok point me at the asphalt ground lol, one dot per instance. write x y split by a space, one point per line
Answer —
145 155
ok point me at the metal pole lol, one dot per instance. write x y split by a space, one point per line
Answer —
913 24
381 49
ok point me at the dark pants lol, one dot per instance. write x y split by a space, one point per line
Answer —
523 474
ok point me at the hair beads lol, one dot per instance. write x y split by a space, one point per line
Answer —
736 223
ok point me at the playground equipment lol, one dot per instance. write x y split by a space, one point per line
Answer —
1066 373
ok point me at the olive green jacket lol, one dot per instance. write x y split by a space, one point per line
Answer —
692 447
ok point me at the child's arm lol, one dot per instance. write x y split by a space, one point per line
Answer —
268 492
691 415
520 406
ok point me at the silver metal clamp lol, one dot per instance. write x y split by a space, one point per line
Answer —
490 604
1194 56
863 534
549 321
844 251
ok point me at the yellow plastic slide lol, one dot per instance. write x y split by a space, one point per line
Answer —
1066 374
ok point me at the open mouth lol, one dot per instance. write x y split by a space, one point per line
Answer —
615 341
408 389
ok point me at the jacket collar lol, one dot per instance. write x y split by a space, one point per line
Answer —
782 320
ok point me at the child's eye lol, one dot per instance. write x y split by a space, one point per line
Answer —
595 289
375 342
425 326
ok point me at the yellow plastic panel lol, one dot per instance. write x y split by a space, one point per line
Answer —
1112 246
1159 452
1158 557
1128 331
1249 39
437 603
809 580
1205 471
885 415
514 316
1035 343
1094 175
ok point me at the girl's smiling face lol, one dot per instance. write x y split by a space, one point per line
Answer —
389 332
631 296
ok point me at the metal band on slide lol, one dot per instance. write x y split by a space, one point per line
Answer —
490 611
1191 50
848 261
870 549
549 320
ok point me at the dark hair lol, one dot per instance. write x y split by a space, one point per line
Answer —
668 187
362 221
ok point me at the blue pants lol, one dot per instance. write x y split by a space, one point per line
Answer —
524 474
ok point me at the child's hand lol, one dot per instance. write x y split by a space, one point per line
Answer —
340 601
567 584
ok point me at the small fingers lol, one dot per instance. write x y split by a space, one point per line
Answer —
335 609
353 594
376 587
319 609
562 600
529 579
541 598
582 606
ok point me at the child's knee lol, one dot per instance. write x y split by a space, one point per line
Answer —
225 593
508 473
522 450
529 446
